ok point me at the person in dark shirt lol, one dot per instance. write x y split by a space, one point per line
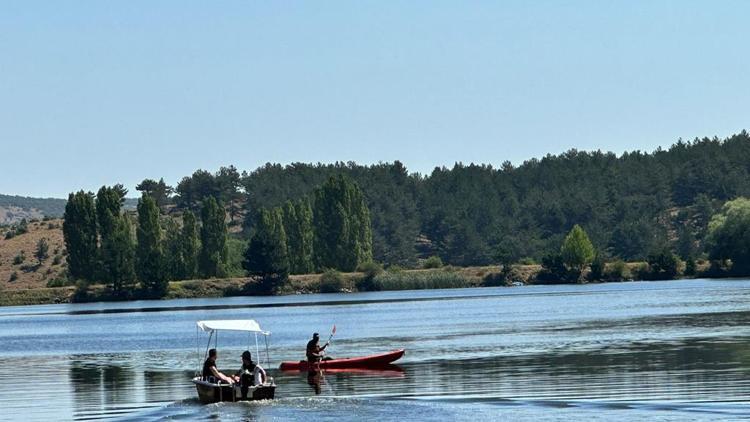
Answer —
210 370
314 351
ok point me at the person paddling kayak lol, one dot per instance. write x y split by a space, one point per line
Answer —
314 351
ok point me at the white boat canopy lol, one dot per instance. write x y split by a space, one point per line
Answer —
247 325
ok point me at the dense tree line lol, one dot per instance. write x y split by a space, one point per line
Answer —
635 206
630 205
102 248
332 233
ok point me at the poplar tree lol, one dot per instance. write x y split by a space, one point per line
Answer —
304 215
266 258
341 220
149 253
298 229
119 256
189 246
174 262
213 254
79 231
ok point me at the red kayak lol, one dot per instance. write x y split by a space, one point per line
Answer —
372 361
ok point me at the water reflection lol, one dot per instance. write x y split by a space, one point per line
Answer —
682 352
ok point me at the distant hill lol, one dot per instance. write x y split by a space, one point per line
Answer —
14 208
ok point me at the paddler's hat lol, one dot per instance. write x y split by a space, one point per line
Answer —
247 355
316 335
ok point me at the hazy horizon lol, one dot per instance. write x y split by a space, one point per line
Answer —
95 93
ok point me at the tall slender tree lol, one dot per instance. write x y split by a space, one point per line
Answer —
189 245
149 253
303 211
342 234
266 259
79 231
298 228
174 263
118 257
213 255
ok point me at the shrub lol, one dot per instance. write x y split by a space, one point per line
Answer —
617 271
663 265
27 268
641 271
56 260
23 227
13 276
690 267
58 282
554 271
432 262
371 270
19 259
597 268
527 261
495 279
10 234
51 226
331 281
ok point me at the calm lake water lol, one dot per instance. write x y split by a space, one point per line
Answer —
673 350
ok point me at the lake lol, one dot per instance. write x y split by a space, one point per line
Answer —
673 350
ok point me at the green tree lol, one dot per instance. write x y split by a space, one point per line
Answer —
109 201
729 235
577 251
149 253
662 264
266 258
42 250
159 191
298 229
189 245
228 182
79 231
341 220
118 256
174 261
213 254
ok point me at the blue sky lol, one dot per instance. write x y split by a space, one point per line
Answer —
100 92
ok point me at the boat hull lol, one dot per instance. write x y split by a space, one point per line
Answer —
373 361
213 393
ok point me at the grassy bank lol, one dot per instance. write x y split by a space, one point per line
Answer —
438 278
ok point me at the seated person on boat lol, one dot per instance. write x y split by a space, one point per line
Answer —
250 374
314 351
211 373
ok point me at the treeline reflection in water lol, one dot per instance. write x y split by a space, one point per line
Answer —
696 370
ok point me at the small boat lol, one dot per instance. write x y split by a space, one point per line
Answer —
372 361
212 391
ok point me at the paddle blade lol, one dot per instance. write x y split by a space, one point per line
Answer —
334 329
